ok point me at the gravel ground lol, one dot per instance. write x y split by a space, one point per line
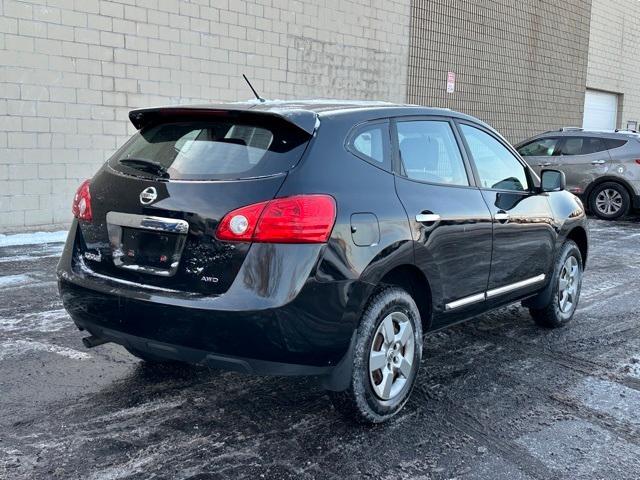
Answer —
497 398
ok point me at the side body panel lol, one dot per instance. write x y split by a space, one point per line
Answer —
624 165
524 245
524 236
581 170
365 194
454 252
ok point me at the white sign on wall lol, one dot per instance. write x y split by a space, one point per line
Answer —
451 82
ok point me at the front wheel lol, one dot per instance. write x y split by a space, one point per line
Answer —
566 283
386 358
609 201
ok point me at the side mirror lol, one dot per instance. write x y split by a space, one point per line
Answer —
552 181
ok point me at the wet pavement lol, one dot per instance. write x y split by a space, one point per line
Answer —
497 397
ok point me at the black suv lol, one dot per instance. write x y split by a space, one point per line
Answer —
315 239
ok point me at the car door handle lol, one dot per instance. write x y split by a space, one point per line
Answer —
598 162
501 216
545 164
427 217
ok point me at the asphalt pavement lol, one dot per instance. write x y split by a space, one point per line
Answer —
496 398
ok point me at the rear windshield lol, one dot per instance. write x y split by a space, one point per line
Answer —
212 150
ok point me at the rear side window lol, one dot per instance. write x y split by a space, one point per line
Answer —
212 150
543 147
371 143
615 143
430 153
582 146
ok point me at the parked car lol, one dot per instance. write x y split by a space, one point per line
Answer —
315 239
603 168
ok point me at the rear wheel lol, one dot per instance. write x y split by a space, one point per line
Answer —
609 201
386 358
566 284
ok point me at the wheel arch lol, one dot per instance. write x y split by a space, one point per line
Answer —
579 235
604 179
412 279
405 275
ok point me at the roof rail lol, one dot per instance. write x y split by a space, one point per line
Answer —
571 129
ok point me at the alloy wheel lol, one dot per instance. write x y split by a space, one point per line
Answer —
609 201
391 355
569 282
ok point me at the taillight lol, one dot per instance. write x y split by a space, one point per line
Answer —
81 207
638 161
297 219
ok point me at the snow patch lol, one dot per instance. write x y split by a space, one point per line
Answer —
14 280
148 407
33 238
136 465
26 258
47 321
19 347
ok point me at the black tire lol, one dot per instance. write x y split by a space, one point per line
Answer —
599 194
360 402
553 315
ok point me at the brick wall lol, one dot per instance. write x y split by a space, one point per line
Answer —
519 65
70 70
614 54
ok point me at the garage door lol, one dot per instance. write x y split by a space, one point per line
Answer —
600 110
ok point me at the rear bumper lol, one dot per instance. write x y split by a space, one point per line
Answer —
287 324
201 357
278 341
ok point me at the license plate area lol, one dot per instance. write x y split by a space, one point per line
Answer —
146 244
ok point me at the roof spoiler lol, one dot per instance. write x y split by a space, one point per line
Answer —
305 120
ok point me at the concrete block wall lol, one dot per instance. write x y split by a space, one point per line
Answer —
614 54
70 70
519 65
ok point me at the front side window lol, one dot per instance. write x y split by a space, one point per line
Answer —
212 150
430 153
543 147
582 146
497 167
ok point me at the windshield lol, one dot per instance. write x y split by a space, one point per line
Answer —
212 150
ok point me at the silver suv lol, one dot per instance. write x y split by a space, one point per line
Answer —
602 167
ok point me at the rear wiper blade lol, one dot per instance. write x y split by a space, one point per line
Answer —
149 165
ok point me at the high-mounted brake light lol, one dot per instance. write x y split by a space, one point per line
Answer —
296 219
81 207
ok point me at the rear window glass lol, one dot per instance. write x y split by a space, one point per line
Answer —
614 143
212 150
371 143
582 146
